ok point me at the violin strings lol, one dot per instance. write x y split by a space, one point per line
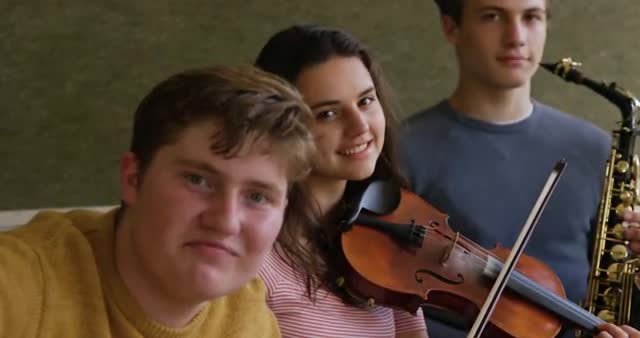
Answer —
480 262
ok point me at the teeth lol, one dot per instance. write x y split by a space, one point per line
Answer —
355 149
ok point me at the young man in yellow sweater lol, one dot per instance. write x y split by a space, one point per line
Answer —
215 159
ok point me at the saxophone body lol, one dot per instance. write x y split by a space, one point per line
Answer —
613 267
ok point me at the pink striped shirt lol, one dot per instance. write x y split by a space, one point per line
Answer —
298 317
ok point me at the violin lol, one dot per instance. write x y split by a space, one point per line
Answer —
401 253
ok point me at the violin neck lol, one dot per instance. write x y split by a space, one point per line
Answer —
525 287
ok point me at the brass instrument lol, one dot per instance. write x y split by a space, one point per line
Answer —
611 278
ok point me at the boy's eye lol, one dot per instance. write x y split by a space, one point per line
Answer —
197 180
490 16
258 197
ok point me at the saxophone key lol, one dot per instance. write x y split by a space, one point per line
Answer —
618 252
627 197
622 208
611 297
613 272
617 231
607 315
622 166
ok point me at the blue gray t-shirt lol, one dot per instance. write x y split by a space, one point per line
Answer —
486 177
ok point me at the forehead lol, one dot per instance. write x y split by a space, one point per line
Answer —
256 159
511 5
335 79
203 135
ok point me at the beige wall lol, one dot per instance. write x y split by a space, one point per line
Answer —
72 71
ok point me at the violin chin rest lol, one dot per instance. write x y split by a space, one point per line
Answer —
381 197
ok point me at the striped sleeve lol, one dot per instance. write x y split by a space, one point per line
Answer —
268 272
406 322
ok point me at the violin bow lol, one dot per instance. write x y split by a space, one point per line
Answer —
487 308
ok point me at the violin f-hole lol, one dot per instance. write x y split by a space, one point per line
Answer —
459 278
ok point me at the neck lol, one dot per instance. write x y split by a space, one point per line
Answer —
158 304
327 192
495 105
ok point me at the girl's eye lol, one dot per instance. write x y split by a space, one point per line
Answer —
365 101
325 115
533 17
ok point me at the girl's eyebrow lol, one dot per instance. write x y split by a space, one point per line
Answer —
334 102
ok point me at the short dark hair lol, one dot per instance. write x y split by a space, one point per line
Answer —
454 8
451 8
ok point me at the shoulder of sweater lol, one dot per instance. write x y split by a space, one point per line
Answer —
554 116
424 116
50 226
588 135
30 254
432 122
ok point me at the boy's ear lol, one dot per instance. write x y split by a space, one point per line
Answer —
449 28
129 178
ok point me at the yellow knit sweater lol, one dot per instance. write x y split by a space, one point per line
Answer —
58 279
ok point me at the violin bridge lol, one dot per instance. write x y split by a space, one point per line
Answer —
447 253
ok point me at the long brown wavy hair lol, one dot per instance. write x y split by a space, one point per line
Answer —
312 248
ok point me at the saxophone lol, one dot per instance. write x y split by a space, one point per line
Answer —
613 269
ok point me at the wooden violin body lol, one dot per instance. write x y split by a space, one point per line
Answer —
447 271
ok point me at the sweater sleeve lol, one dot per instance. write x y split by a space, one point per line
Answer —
21 285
